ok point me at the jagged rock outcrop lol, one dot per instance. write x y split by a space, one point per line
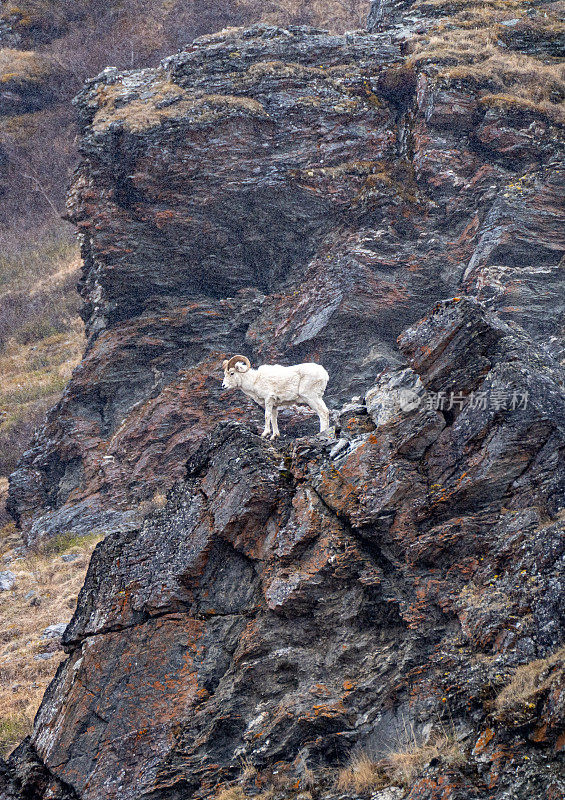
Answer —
287 194
292 603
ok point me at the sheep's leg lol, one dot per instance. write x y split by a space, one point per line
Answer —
269 404
275 423
318 405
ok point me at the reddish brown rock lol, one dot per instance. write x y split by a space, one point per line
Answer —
291 604
287 194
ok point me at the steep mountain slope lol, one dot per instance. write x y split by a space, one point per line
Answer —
47 49
289 605
288 194
383 611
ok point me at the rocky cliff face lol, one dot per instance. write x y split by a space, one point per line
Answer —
287 194
394 591
292 603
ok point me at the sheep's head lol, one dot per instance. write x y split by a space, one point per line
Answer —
233 368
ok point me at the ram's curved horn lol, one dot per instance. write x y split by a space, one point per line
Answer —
234 359
224 363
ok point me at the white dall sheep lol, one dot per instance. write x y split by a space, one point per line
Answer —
273 386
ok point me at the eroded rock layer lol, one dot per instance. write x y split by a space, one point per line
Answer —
287 194
292 603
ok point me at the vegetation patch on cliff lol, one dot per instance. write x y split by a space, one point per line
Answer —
165 100
23 68
516 704
365 773
469 43
41 337
46 585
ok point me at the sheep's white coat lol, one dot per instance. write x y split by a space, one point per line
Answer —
273 386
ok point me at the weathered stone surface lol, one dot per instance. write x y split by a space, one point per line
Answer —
287 194
7 580
289 604
55 631
299 196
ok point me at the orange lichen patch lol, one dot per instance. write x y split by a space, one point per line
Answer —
468 233
320 690
333 710
483 741
441 788
501 759
162 217
539 734
160 685
414 614
343 496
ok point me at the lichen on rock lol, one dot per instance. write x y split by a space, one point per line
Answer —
284 600
297 196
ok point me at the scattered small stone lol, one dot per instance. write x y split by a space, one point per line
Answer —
35 601
29 594
69 557
7 581
43 656
339 447
54 631
390 793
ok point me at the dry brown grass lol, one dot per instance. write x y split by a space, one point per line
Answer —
365 774
467 49
529 681
38 265
167 102
33 377
512 103
403 766
55 584
231 793
337 15
41 339
23 67
238 793
458 6
362 775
